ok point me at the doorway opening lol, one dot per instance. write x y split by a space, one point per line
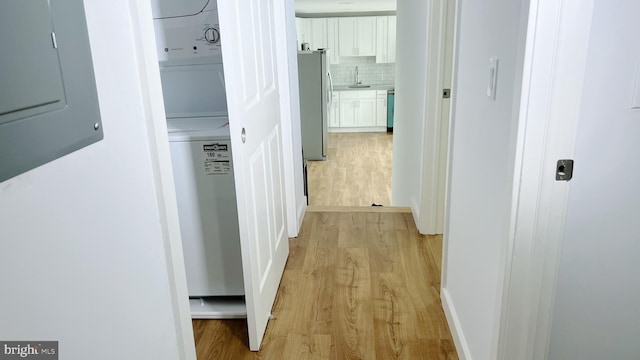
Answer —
354 167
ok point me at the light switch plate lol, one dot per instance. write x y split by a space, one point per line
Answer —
493 78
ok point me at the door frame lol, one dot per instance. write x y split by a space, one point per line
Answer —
554 69
142 29
435 151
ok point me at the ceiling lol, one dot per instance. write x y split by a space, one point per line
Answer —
338 6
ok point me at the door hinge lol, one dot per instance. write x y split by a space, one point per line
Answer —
564 170
446 93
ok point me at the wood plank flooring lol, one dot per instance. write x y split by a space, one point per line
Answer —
359 285
357 172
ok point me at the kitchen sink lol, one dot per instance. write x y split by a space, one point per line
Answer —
359 86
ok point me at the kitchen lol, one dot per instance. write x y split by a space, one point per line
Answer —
353 131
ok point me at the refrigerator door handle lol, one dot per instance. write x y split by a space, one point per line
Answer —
330 88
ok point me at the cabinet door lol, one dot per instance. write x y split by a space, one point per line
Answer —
332 40
381 110
305 25
318 34
347 37
366 114
348 112
366 40
299 38
382 39
334 111
391 52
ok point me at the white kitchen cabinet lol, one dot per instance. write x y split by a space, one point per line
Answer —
392 39
299 38
332 40
366 116
318 38
303 31
348 108
381 108
357 36
385 39
358 108
334 111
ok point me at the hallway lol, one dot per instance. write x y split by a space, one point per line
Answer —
357 285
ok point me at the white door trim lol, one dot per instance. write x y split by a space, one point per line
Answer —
554 68
450 314
432 184
160 158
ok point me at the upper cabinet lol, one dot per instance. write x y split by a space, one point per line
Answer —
332 38
303 31
385 39
350 36
318 34
357 36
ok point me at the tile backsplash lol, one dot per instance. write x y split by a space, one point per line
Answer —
370 73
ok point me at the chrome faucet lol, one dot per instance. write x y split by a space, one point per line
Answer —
358 82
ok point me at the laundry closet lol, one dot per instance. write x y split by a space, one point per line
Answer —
188 42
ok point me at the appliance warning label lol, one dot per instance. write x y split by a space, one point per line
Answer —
217 158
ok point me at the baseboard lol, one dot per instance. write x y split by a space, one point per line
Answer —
454 325
359 209
358 129
302 210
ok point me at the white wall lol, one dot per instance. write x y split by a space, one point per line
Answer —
83 250
481 170
409 117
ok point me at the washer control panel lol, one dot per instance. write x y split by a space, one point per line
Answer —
187 38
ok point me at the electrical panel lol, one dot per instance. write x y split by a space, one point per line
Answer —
49 104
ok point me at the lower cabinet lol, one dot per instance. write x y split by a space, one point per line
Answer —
334 111
381 108
359 109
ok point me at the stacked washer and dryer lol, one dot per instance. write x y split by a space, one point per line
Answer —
188 40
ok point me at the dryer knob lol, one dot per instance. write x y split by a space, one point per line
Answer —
212 35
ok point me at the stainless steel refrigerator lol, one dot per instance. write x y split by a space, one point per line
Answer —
316 89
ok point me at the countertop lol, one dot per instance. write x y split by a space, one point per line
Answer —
373 87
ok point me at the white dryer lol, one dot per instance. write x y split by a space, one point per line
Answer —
205 191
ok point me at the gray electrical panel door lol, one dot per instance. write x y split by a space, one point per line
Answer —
48 99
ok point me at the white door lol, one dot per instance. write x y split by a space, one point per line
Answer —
595 312
248 50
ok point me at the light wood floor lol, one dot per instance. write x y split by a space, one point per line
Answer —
357 172
356 286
